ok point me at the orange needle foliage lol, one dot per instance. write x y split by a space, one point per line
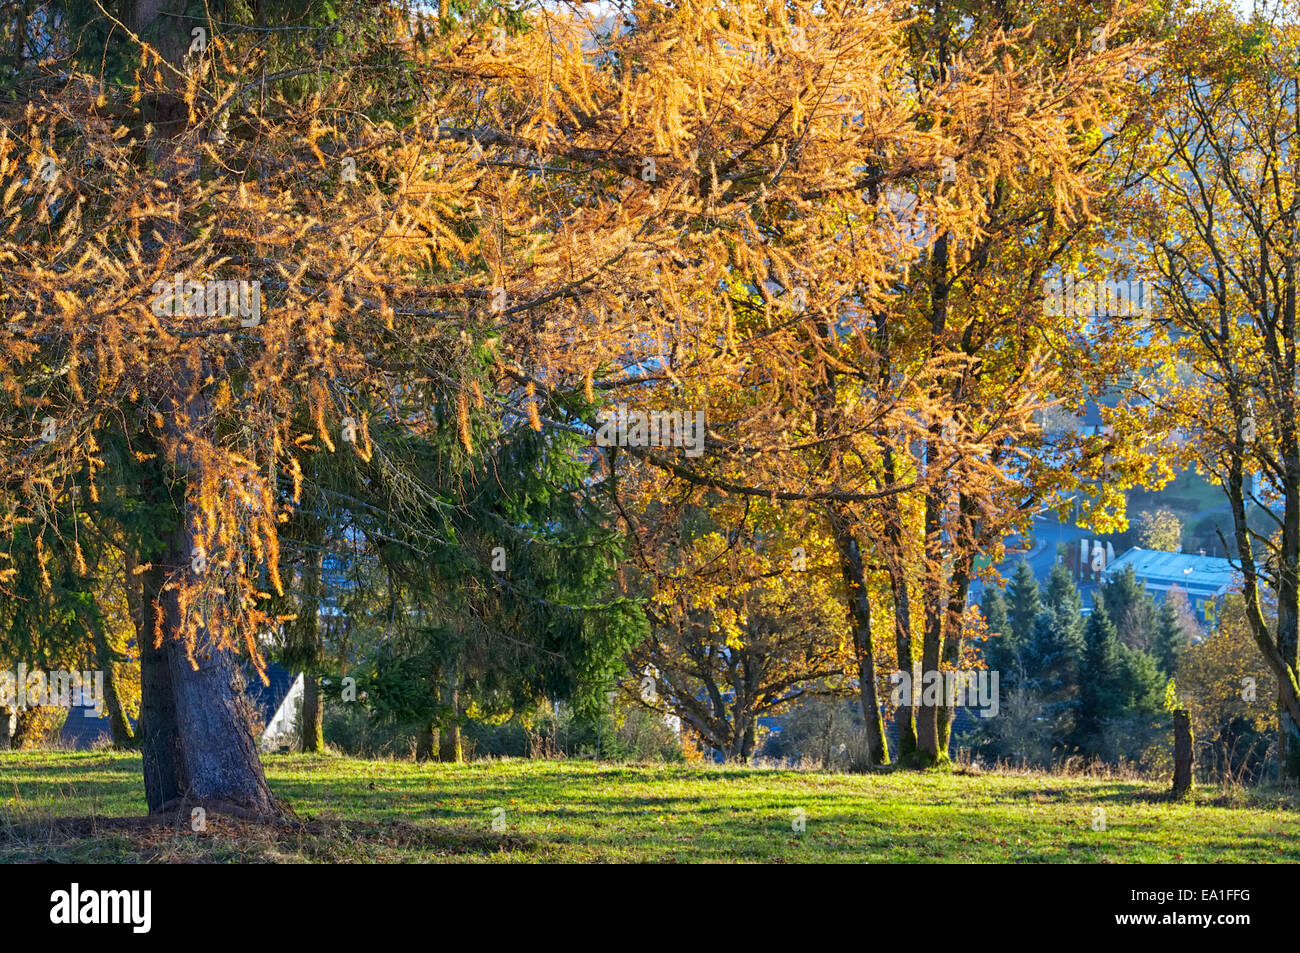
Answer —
716 201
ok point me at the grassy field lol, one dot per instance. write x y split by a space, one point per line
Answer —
86 807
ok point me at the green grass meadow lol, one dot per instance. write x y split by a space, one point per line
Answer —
88 807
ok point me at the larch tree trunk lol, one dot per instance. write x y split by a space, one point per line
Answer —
159 736
198 741
427 742
958 590
927 718
304 646
859 611
218 754
313 714
449 743
927 714
904 715
27 728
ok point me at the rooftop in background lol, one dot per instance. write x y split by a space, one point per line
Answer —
1198 576
273 704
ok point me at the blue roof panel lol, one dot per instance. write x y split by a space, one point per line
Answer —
1212 574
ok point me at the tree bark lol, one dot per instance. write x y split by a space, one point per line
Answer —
748 738
217 751
905 715
927 719
927 716
859 611
958 590
304 647
313 715
449 744
198 738
1283 664
159 734
1288 744
450 749
118 725
198 741
426 742
28 729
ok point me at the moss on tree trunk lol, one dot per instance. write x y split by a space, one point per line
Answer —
118 724
313 715
450 748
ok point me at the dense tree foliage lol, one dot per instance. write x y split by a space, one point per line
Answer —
484 360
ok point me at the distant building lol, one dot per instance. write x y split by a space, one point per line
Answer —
1204 579
1087 560
274 709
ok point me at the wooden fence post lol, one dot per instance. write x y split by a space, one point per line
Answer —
1182 752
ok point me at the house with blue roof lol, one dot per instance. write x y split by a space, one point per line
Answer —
1204 579
275 708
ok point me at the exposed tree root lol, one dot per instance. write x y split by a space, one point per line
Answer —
183 810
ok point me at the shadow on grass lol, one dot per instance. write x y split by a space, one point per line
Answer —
170 839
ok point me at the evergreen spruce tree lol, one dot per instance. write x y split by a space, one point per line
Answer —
1062 593
1141 684
1055 654
1130 609
999 650
1023 605
513 602
1100 695
994 609
1169 637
